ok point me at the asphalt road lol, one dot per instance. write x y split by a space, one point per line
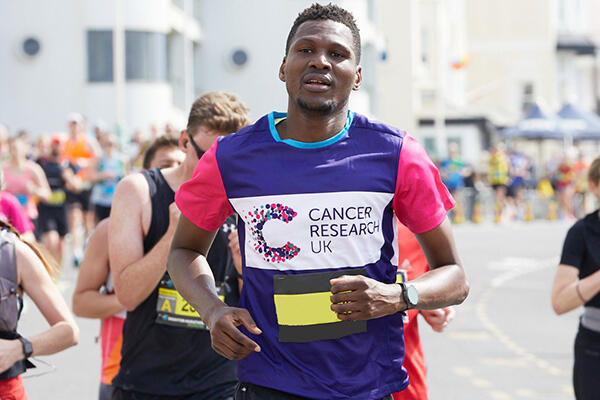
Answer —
505 343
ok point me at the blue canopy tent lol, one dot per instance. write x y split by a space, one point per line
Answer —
578 124
536 124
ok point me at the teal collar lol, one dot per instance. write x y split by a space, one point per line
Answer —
303 145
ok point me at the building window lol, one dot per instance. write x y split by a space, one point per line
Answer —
527 96
100 56
145 56
430 146
425 46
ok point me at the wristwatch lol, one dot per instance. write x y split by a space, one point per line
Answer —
410 295
27 347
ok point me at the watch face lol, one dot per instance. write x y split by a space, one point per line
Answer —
412 295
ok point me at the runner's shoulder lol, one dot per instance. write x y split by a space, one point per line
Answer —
576 231
376 127
245 134
34 167
132 187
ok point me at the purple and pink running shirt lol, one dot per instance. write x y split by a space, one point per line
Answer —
309 212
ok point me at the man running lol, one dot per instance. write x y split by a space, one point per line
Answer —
52 222
81 152
316 191
166 351
94 295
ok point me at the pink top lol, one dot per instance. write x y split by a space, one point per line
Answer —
12 212
421 199
216 207
16 183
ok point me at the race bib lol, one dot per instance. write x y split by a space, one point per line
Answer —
23 199
108 190
57 197
303 307
173 310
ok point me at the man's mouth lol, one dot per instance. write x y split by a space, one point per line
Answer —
317 83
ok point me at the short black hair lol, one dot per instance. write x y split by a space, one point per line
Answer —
331 12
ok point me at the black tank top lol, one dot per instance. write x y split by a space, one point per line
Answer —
53 171
158 358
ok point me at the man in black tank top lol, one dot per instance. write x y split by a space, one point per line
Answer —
52 220
166 351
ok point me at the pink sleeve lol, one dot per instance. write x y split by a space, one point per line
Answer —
11 207
203 199
421 200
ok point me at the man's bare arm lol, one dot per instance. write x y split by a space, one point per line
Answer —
189 269
193 278
88 301
446 283
360 298
40 188
135 275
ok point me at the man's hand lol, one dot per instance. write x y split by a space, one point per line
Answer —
357 297
439 318
11 351
227 340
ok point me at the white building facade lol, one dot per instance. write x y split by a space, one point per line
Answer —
244 44
126 62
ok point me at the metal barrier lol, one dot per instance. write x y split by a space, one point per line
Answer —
479 205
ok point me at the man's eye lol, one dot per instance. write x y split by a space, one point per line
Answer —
336 54
305 50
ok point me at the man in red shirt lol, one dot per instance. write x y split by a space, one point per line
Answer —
412 263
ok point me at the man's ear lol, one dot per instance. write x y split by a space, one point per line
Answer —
183 139
282 70
358 78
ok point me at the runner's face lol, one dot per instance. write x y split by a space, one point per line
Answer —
594 189
204 138
166 157
18 149
55 149
321 69
73 128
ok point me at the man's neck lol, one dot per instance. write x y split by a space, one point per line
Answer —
176 176
311 127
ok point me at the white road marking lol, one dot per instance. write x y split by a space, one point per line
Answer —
499 395
462 371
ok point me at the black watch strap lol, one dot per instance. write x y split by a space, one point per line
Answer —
403 286
405 296
27 347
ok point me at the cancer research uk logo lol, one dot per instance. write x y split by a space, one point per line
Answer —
258 218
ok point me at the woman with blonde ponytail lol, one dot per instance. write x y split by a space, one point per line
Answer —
23 269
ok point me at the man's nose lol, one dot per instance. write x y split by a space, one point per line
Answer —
320 60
